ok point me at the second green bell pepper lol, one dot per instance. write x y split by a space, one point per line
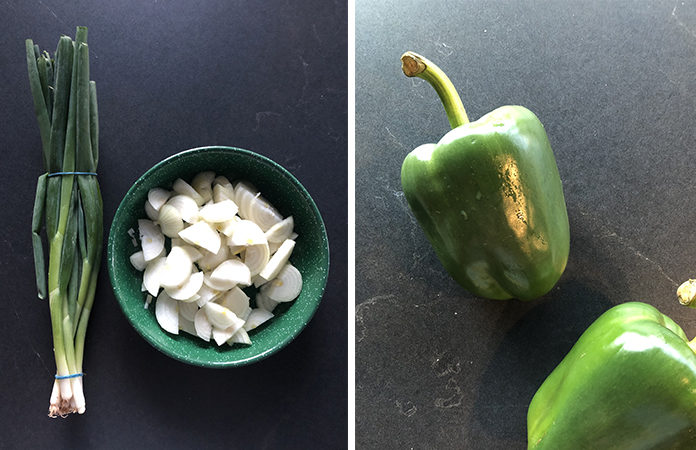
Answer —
489 197
629 383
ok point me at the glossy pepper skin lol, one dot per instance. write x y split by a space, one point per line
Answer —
489 198
629 383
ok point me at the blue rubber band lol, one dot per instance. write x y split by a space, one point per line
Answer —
54 174
74 375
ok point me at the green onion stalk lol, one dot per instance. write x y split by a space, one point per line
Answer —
68 204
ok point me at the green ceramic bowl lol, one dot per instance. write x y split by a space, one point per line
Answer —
311 255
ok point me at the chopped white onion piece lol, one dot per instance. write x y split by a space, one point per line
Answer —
177 269
236 301
223 191
246 313
256 318
158 197
247 233
219 316
235 249
240 337
203 327
286 286
221 179
256 257
151 276
152 214
137 259
244 193
188 310
203 184
187 207
232 272
187 292
186 325
219 286
183 188
202 235
278 260
228 227
281 231
207 294
273 247
263 214
167 313
211 260
218 212
148 300
170 221
222 336
151 239
192 251
263 302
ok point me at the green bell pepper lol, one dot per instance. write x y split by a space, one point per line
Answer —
628 383
489 197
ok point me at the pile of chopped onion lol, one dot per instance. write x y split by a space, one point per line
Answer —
221 238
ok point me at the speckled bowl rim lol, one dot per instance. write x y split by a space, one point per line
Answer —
227 363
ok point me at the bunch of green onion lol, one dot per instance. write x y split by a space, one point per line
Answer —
69 200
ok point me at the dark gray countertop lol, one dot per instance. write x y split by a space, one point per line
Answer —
270 77
614 85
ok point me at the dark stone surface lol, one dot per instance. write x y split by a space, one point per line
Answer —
613 84
271 77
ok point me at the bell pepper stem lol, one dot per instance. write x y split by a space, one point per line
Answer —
415 65
687 297
687 293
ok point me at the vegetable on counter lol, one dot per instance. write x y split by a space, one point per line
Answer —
629 382
488 196
69 200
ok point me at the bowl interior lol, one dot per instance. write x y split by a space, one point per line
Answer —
310 256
